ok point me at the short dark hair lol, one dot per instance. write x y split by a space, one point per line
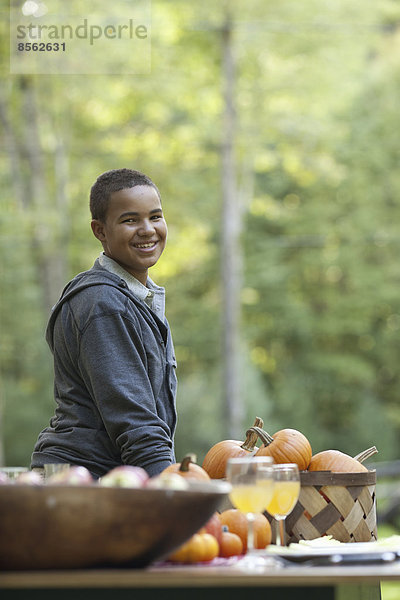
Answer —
114 181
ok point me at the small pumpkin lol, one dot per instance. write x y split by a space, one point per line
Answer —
285 446
188 469
339 462
231 544
201 547
216 458
236 522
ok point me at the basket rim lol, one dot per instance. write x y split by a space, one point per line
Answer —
335 478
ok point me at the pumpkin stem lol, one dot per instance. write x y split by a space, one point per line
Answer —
366 454
252 436
185 464
265 437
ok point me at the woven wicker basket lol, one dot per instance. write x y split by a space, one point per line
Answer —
340 504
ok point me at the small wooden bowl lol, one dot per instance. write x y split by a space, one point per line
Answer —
56 527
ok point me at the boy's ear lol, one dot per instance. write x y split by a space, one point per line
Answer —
98 229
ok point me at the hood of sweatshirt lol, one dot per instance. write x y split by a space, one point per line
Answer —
96 276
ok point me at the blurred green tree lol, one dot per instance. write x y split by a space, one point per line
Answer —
317 180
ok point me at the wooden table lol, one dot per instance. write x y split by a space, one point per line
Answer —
228 582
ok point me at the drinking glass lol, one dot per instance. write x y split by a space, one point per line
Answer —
252 482
285 495
53 468
13 473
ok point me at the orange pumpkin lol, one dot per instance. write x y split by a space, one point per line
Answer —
286 446
236 522
201 547
231 544
216 458
339 462
188 469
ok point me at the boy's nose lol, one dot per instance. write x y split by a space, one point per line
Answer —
146 228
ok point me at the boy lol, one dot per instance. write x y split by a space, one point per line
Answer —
114 362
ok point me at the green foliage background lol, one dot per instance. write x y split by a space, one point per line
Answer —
318 170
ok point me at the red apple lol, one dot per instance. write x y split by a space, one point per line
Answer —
4 479
125 476
214 527
75 475
29 478
167 481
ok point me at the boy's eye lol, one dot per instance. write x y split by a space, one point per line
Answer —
136 220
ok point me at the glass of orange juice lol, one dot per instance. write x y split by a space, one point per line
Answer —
285 495
252 481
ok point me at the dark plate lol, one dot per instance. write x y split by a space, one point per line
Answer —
351 554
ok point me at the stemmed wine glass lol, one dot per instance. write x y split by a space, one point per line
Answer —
285 495
252 482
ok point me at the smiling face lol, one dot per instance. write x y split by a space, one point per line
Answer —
134 233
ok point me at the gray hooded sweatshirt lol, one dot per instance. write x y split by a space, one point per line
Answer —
114 379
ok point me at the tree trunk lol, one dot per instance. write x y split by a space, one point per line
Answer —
48 230
14 154
231 252
49 253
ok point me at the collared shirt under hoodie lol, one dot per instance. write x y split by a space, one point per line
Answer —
152 294
115 383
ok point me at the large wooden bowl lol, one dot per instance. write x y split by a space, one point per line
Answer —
44 527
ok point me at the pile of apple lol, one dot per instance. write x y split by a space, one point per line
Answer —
124 476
